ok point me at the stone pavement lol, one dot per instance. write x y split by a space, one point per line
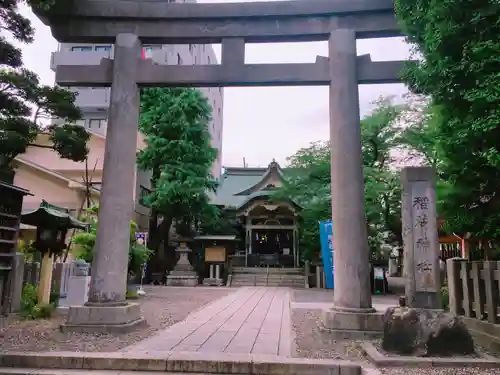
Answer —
253 320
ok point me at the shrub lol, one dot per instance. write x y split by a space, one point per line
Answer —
54 298
132 294
85 242
28 300
30 309
42 311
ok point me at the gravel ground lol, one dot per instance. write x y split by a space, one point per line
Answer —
311 342
161 308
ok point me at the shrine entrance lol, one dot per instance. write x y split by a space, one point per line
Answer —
272 241
128 24
271 233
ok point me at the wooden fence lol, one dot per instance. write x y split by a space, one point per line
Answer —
474 289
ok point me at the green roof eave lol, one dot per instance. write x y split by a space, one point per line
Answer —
51 218
262 193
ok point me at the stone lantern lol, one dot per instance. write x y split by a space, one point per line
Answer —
52 224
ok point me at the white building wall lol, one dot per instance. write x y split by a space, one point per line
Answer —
94 102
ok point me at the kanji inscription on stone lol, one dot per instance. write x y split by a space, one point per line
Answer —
423 251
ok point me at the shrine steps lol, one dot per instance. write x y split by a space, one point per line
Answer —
273 277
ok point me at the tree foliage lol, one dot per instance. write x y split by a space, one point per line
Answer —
26 105
308 182
85 244
179 154
460 49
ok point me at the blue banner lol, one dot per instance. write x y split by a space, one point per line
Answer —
325 236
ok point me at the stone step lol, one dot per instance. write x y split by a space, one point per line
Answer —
56 363
286 281
264 270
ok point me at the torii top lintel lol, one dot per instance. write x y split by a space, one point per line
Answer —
161 22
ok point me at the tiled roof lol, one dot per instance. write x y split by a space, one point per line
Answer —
234 181
234 184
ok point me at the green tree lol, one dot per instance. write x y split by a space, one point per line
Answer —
25 104
180 156
85 243
460 49
308 181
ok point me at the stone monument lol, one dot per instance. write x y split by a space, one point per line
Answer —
420 238
78 287
233 25
183 273
419 326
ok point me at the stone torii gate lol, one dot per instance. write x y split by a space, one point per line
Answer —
128 23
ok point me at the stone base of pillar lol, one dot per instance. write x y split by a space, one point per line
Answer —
183 273
103 318
174 279
213 281
352 324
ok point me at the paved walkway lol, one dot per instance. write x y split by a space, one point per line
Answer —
252 320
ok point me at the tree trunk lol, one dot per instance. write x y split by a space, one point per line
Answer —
164 233
153 242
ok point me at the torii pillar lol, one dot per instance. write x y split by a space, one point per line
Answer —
352 314
107 309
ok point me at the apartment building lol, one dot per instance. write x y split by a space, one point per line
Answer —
94 102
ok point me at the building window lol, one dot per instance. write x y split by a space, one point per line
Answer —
81 49
179 59
147 51
97 123
103 48
143 194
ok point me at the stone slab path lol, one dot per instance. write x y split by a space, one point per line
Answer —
253 320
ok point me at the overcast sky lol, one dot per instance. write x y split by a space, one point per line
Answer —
262 123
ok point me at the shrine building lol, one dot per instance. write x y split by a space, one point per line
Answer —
269 226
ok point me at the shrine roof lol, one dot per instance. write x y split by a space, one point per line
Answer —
235 184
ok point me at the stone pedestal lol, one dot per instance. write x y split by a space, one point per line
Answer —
107 309
78 290
103 317
352 313
183 273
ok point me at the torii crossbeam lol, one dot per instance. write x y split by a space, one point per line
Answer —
162 22
150 74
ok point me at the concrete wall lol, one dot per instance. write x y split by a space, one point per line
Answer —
44 186
50 159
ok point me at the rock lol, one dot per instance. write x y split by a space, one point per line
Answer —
425 333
